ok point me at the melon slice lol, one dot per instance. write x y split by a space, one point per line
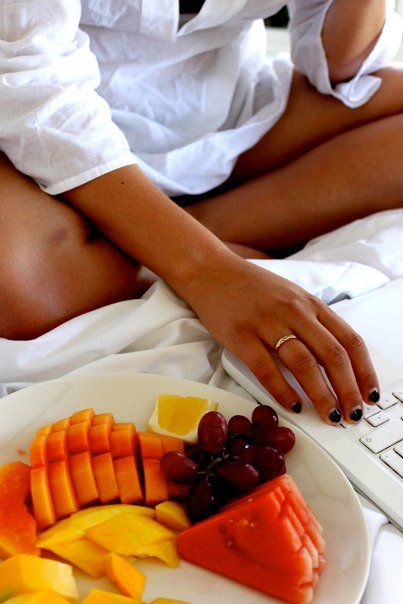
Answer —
86 415
17 526
77 438
61 488
62 425
103 418
38 452
83 478
259 542
42 501
57 446
105 479
128 480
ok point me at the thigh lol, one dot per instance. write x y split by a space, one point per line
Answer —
53 266
312 118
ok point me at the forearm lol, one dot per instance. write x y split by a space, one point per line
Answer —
148 226
351 29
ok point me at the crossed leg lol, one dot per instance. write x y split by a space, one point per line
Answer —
321 166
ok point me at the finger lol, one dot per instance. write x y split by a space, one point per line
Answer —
336 362
356 349
256 356
301 362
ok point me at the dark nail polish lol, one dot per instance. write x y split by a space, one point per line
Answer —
335 416
374 396
356 414
296 407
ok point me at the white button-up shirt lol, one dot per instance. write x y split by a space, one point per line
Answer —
90 86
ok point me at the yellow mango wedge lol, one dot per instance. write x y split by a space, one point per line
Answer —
97 596
38 597
84 554
165 551
172 515
24 573
126 533
127 578
74 527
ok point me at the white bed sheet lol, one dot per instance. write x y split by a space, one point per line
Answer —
159 334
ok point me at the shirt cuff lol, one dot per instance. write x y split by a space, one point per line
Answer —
88 175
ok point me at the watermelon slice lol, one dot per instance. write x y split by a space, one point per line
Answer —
268 540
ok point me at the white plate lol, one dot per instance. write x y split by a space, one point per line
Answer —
131 397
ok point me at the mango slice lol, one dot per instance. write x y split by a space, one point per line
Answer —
97 596
84 554
126 533
125 576
165 551
38 597
74 527
24 573
172 515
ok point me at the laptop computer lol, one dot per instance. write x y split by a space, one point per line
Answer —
371 452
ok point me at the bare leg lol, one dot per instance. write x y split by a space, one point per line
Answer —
357 172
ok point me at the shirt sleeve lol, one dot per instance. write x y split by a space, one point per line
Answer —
54 127
308 54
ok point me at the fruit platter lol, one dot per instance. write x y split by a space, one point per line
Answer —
150 490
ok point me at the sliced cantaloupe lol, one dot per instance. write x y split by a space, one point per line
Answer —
42 502
98 596
17 526
256 541
84 554
83 479
155 484
128 480
62 425
86 415
61 488
105 479
122 442
44 431
77 438
99 439
103 418
126 533
173 515
38 452
30 573
150 446
125 576
57 446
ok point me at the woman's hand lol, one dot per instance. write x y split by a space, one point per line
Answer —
248 309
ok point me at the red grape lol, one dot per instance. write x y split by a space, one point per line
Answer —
264 420
193 451
236 444
282 439
178 468
202 502
238 424
268 461
241 476
212 432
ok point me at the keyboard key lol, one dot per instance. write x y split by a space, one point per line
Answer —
399 395
399 448
387 401
385 436
378 419
346 424
394 461
370 410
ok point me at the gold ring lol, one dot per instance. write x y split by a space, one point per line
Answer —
285 339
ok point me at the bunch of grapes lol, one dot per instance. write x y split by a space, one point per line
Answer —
229 459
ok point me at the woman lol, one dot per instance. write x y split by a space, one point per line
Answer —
299 149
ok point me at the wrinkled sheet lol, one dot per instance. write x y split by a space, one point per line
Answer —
160 334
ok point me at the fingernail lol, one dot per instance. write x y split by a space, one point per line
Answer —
374 395
356 414
296 407
335 416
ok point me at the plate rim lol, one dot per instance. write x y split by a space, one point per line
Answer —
296 429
